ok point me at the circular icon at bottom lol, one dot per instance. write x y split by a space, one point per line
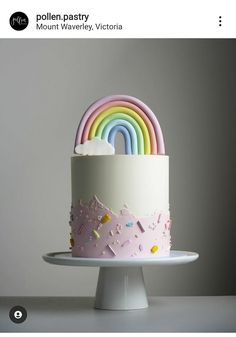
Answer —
18 314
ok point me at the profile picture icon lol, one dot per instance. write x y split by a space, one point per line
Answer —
19 21
18 314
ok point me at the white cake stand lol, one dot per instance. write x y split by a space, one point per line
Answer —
120 282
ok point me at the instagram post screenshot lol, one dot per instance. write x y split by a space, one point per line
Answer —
117 167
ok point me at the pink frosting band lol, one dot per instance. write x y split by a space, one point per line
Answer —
98 232
101 104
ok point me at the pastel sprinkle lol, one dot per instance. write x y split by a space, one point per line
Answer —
99 218
111 249
103 253
105 218
127 242
140 247
152 226
96 234
129 224
124 211
99 226
154 249
118 228
159 218
111 233
140 227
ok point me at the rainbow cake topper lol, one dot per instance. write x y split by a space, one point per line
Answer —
127 115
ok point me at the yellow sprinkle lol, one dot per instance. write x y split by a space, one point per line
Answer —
96 234
154 249
105 218
72 242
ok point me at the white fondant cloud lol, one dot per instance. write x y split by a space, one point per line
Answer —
95 146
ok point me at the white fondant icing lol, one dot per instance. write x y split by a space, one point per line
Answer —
141 181
95 146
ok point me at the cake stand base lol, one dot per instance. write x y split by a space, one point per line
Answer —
121 289
120 282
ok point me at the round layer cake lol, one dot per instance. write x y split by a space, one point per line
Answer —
120 206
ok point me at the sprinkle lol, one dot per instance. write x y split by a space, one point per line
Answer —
136 235
159 218
129 224
168 224
103 253
111 233
99 218
154 249
117 241
105 218
96 234
124 211
140 247
152 226
127 242
111 249
72 242
118 228
99 226
140 227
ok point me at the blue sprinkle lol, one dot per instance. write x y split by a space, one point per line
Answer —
129 224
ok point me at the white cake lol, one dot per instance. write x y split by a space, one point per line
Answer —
120 205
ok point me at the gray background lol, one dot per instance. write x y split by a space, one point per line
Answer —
45 86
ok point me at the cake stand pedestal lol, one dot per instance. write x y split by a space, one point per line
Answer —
120 282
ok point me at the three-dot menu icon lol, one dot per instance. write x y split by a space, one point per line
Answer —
220 20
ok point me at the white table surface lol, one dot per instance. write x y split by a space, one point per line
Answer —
165 314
